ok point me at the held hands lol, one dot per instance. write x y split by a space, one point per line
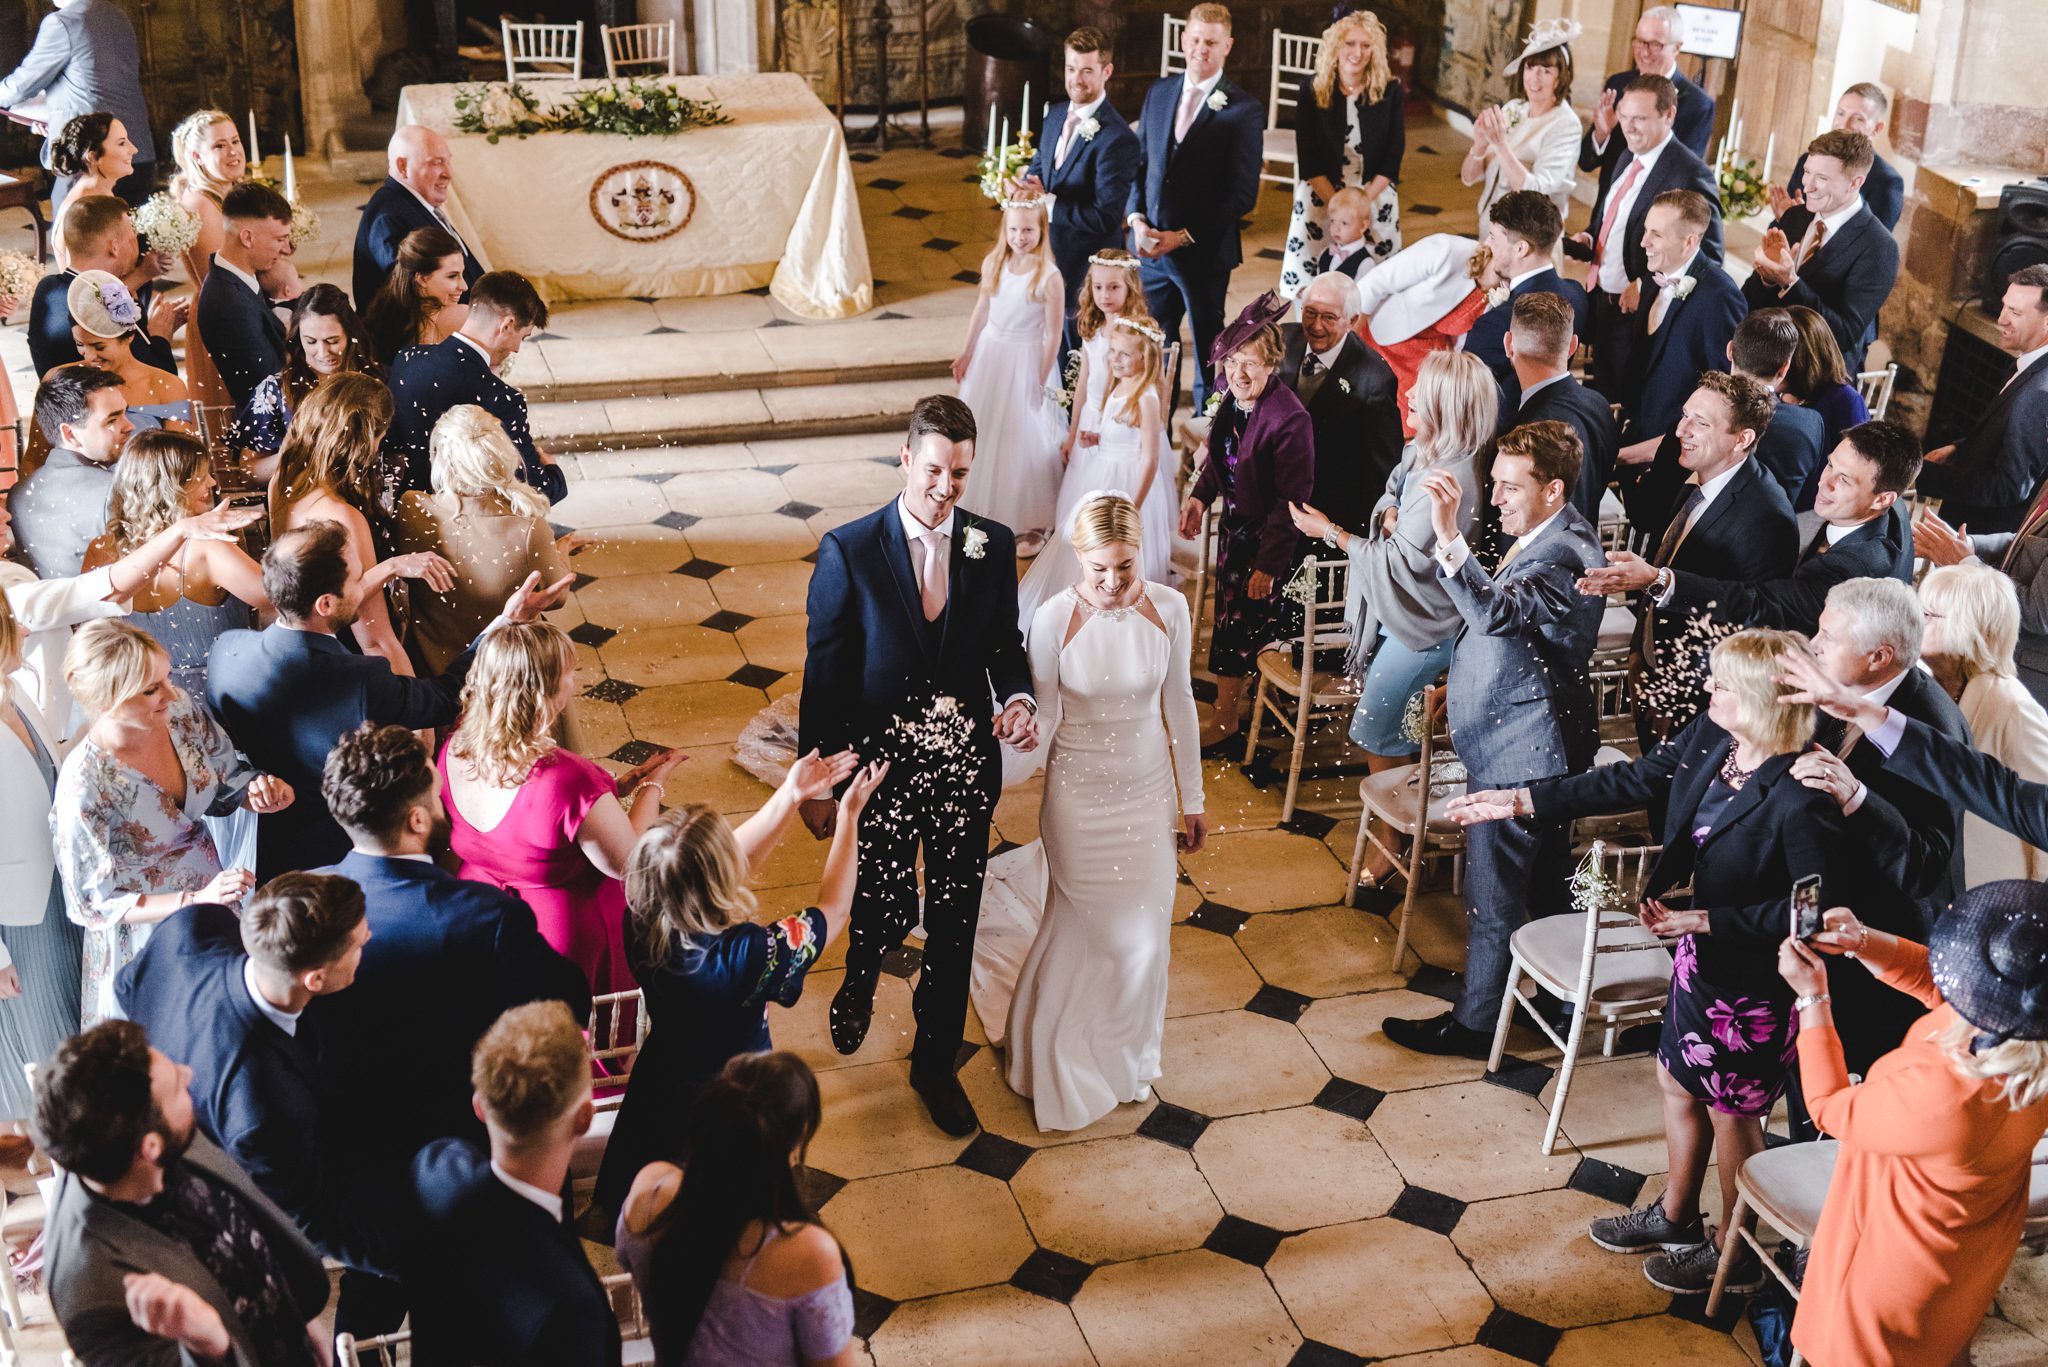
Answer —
855 799
228 887
1193 833
1821 770
437 572
1017 727
1669 922
166 1309
1631 296
1444 493
1935 540
1488 804
813 777
268 793
530 599
1624 570
1190 518
1030 187
1087 438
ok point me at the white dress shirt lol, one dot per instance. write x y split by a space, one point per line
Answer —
549 1201
1453 554
287 1021
1541 385
1882 695
2021 364
231 268
1613 274
1078 115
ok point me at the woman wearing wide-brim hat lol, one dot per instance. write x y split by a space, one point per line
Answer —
1531 142
1929 1195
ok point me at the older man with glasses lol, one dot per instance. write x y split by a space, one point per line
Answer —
1350 394
1659 34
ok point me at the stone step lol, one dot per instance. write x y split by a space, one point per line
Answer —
730 415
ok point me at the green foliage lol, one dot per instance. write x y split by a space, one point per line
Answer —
634 108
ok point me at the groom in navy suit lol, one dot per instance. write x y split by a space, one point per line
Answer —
1200 141
912 640
1088 166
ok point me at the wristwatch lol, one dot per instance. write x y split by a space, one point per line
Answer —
1660 587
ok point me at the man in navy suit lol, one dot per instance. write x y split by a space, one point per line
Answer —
99 235
1830 253
1689 312
1540 346
427 381
1991 477
1522 235
914 603
287 693
1860 110
241 1022
446 956
1088 166
242 333
1654 161
413 195
1659 33
1201 137
498 1274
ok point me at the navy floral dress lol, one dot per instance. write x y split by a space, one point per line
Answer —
260 426
706 1003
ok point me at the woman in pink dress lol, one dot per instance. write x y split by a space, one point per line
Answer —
538 820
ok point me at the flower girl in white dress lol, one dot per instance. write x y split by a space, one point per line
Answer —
1123 793
1112 291
1013 342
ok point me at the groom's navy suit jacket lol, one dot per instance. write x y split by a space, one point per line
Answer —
870 656
1089 189
1205 184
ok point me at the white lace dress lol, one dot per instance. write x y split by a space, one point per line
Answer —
1015 477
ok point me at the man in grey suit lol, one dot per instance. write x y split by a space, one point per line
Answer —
161 1251
1521 704
85 57
61 507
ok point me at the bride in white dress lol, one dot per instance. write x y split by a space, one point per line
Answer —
1123 792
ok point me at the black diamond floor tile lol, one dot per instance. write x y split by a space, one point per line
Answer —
1245 1240
1694 1309
676 522
818 1186
762 291
775 469
967 1050
635 752
1271 254
956 153
580 582
1518 1336
911 211
1425 210
1315 825
994 1156
1219 918
1314 1354
891 316
653 477
699 568
1204 690
1607 1181
612 690
754 676
726 620
862 157
884 183
965 278
1521 1075
940 244
590 634
1431 1210
657 331
1354 1099
1004 847
902 961
870 1312
1174 1125
799 510
779 323
1279 1003
1436 982
1054 1276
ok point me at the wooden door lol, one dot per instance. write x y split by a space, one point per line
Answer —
1779 79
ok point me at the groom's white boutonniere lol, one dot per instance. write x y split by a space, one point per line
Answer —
1497 296
1217 99
1088 128
1682 286
973 542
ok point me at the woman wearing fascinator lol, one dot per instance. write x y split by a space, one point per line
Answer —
1092 900
1530 143
105 318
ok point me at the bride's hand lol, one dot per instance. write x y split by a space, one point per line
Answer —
1194 832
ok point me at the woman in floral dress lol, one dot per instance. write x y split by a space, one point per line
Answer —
1350 131
130 815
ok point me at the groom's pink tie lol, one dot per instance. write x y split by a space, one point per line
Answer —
931 576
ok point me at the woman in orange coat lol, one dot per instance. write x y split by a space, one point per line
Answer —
1930 1192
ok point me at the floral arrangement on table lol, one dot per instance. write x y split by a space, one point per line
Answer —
166 225
20 273
1001 166
1744 191
636 107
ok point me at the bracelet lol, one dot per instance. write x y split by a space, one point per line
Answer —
649 788
1815 1000
1332 537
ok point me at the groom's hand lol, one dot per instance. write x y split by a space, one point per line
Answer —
820 815
1017 727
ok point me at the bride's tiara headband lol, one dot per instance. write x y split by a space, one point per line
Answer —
1143 329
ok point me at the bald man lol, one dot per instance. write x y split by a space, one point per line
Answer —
413 195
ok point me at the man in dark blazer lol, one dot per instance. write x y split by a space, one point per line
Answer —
1521 707
446 957
427 381
132 1270
241 331
240 1022
1201 140
1864 534
1522 234
1653 162
1350 395
413 195
1688 314
498 1274
287 693
1658 35
1989 479
915 602
99 235
1860 110
1830 253
1540 346
1088 165
1729 521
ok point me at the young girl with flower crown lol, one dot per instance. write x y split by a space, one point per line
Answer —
1013 342
1111 292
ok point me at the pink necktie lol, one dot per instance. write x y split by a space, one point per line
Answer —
1635 168
932 575
1059 155
1190 104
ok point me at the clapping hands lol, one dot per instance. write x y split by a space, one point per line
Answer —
1935 540
268 793
1783 199
1773 259
1624 570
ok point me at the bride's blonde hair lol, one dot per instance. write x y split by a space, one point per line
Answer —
998 259
1104 520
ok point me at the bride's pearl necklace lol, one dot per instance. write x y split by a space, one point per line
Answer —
1108 614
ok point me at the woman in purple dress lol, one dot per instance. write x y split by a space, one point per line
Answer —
1261 457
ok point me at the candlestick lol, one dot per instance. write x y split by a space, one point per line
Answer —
255 157
990 154
1770 152
1006 134
1024 114
291 179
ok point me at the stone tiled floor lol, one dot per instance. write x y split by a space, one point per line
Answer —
1300 1191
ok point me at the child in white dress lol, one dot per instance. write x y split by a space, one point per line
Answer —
1113 291
1013 343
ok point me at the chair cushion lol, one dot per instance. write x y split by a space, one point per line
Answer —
1277 668
1788 1186
589 1154
1550 948
1617 629
1278 144
1390 796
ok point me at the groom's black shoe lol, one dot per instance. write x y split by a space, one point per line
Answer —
853 1007
947 1101
1441 1035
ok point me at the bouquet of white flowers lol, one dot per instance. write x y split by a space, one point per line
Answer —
305 225
20 273
166 226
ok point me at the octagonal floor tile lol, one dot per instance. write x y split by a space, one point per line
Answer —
776 642
1321 953
752 538
1004 1113
1532 1253
1612 1113
1473 1141
805 1028
1334 1171
625 601
1192 1309
723 493
845 484
693 714
996 1326
1266 871
670 655
640 548
772 589
1347 1032
924 1233
1430 1299
1209 973
1231 1062
875 1124
1111 1200
1657 1342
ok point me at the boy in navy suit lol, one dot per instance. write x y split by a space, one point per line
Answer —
242 333
1088 166
1200 143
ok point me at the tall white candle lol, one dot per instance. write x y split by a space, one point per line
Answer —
291 178
1006 134
255 156
1770 152
990 153
1024 114
1735 126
